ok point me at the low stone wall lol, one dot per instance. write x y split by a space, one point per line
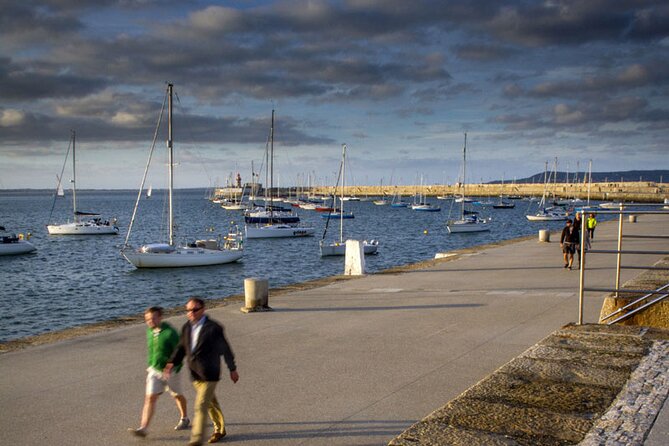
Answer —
655 316
580 383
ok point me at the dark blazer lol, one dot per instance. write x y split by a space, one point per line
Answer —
204 361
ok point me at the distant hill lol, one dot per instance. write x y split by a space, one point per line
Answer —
656 176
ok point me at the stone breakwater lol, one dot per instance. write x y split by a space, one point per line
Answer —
641 191
590 383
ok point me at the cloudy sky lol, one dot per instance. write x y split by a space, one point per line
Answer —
398 81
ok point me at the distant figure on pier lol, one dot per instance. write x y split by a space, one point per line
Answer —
591 225
578 225
239 180
202 345
568 243
161 339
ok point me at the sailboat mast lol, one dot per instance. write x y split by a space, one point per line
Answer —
74 177
170 162
341 200
464 175
271 166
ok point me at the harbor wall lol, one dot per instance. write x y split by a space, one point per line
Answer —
642 191
639 191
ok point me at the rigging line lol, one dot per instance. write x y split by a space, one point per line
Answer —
190 133
60 179
334 201
146 171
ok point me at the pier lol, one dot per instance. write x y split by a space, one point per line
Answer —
356 362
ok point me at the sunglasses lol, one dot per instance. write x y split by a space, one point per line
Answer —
193 310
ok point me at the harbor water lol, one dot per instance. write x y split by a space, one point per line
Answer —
75 280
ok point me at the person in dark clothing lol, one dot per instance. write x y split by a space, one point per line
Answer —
569 239
203 343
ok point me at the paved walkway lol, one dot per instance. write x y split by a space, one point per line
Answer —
352 363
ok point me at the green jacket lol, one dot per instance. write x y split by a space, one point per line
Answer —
591 222
161 346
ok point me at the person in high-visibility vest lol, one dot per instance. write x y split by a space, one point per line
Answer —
591 224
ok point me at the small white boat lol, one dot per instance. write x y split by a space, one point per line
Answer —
171 255
339 248
381 202
470 223
85 223
11 244
549 214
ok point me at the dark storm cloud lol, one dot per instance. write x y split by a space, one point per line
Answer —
29 22
483 52
23 82
563 22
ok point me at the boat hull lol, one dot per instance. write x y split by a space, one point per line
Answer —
546 217
426 208
16 248
182 257
339 249
460 226
82 228
278 231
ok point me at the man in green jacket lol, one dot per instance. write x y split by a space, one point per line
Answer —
161 339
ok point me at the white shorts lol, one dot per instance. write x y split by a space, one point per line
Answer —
156 383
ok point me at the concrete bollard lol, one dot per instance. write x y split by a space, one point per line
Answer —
632 218
355 258
256 295
544 235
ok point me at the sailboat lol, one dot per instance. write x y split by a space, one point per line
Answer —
170 254
60 193
149 192
421 204
85 223
502 203
550 213
339 248
272 222
467 222
383 201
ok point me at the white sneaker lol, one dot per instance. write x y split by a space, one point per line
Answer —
139 432
183 424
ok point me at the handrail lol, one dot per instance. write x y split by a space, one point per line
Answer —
619 252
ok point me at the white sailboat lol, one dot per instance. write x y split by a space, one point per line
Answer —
420 204
273 224
338 248
60 192
467 222
149 192
547 213
170 255
85 223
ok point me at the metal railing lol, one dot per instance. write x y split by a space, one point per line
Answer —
647 294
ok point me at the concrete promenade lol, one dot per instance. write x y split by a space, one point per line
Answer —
352 363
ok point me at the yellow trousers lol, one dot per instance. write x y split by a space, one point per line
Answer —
205 401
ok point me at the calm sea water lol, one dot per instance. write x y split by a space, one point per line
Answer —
74 280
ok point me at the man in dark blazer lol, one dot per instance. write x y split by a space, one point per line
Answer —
202 343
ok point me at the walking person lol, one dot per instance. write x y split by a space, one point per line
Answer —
591 225
578 225
161 340
203 343
568 242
